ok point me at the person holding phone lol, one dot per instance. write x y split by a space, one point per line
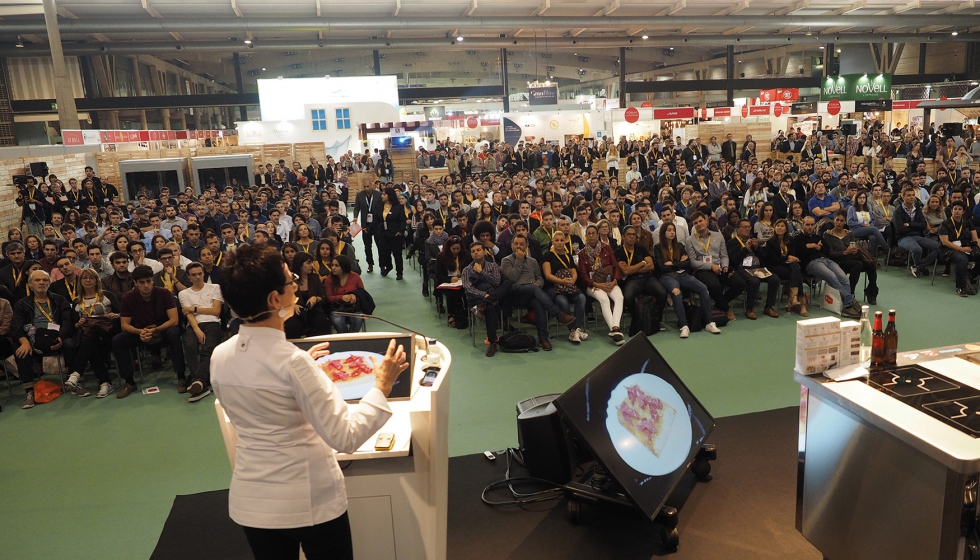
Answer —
287 489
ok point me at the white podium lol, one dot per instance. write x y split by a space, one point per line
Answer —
398 499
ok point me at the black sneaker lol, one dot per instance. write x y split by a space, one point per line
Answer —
198 391
492 349
962 293
28 400
923 272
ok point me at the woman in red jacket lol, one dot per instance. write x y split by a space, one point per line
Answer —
339 287
599 275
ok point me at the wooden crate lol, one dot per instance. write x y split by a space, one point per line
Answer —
303 151
403 159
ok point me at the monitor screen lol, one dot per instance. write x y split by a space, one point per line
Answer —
641 422
401 141
350 367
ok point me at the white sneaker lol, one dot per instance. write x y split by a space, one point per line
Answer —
573 337
582 335
72 382
105 390
712 328
685 332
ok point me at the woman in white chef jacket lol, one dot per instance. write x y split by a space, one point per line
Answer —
287 489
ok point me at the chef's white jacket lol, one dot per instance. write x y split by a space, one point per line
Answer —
289 418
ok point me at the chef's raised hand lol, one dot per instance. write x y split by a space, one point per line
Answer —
319 350
387 371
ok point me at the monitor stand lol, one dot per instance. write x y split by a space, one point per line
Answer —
596 486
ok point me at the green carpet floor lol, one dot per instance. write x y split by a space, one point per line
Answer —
87 478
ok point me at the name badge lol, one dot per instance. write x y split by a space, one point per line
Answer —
747 262
54 326
707 259
317 182
31 205
370 218
106 200
958 243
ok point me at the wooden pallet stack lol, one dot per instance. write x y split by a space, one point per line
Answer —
303 151
403 159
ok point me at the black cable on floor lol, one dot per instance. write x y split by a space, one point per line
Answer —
520 499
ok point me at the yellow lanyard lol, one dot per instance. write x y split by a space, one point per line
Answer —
737 238
387 209
47 315
90 310
305 248
70 288
567 264
957 231
629 256
17 275
884 208
168 282
707 246
457 265
340 247
217 261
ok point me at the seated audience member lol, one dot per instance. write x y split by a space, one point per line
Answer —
97 261
449 267
311 315
910 225
524 273
821 204
709 259
346 293
851 257
12 275
674 266
813 253
960 247
137 252
172 277
41 325
201 304
148 315
433 245
67 286
598 272
485 291
212 274
543 234
745 256
95 315
121 279
561 284
861 221
636 269
784 264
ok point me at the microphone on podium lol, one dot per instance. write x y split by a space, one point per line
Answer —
383 320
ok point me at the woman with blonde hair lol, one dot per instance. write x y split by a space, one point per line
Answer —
95 313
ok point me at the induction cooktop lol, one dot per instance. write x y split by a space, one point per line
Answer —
952 403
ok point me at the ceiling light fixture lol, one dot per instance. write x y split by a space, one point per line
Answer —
955 33
459 39
248 41
645 37
20 44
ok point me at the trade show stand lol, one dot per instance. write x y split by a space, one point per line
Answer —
889 464
397 498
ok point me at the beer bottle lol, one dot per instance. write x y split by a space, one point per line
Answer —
877 345
891 341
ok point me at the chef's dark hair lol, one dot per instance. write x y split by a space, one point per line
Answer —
248 275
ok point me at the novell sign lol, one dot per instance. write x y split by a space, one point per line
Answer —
722 112
632 115
678 113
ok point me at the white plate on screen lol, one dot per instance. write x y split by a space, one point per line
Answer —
355 388
634 453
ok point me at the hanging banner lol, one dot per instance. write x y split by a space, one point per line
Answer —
759 110
803 108
632 115
856 87
779 94
544 95
512 132
906 105
646 105
678 113
873 105
721 112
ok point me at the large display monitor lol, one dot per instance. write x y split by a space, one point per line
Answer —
350 367
641 422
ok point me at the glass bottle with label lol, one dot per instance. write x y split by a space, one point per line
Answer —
891 341
866 338
877 344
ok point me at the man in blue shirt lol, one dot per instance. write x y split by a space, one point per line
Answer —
822 205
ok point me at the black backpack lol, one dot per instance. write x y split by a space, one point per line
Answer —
517 343
460 314
694 319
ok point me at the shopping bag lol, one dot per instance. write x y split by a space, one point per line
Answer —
831 300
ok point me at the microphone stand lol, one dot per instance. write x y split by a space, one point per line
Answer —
383 320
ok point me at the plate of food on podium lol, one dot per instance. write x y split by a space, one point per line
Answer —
649 424
351 372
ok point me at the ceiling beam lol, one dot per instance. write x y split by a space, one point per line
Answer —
471 8
957 6
673 9
150 9
801 5
319 9
844 10
398 7
234 8
102 38
727 11
543 7
608 9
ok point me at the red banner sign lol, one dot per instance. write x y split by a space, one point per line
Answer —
759 110
779 94
905 105
633 114
833 106
646 104
72 137
678 113
722 111
777 109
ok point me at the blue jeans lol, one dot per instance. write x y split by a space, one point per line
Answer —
690 283
915 244
828 271
534 297
565 301
873 235
346 324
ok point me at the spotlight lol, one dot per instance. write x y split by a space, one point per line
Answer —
645 37
955 33
20 44
459 39
248 41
